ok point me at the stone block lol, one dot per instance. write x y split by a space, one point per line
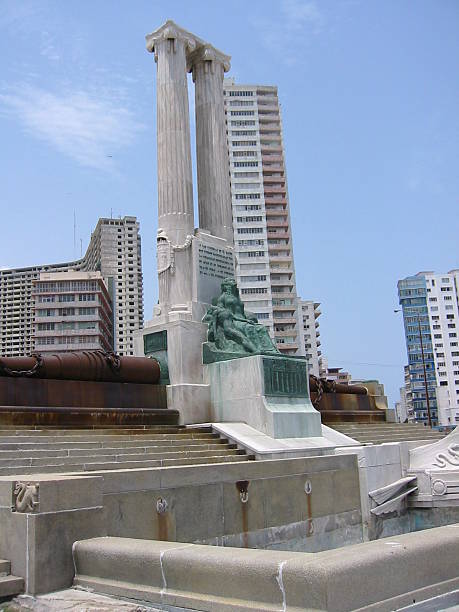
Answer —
246 390
191 400
51 536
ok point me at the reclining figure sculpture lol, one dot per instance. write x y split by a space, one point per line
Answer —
232 330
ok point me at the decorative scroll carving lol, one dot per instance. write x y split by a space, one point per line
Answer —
171 31
26 496
448 458
209 54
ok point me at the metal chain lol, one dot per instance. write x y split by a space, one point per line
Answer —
320 390
31 372
113 360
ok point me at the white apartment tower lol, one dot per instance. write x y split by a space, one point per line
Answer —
115 251
430 304
261 220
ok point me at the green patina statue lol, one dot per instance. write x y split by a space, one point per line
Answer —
233 331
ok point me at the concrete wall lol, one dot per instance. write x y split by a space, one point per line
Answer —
308 504
278 513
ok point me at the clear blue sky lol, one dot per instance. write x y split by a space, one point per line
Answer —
369 91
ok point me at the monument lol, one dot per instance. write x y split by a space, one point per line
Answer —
191 262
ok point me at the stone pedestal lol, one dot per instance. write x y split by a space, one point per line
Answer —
176 333
270 394
175 339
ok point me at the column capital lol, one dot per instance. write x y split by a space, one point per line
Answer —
171 31
207 53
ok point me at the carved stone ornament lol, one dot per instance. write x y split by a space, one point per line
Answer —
443 455
165 251
390 498
171 31
450 457
207 53
26 496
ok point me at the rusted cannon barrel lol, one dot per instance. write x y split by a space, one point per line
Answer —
329 386
83 365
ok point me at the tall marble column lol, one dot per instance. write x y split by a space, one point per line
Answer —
170 45
208 66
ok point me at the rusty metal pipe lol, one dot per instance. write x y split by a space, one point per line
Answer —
83 365
337 387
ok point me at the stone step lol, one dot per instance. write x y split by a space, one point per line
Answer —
5 567
393 426
50 461
387 430
216 445
102 438
11 585
115 430
111 443
98 467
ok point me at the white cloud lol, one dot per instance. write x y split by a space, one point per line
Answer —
300 14
298 22
83 125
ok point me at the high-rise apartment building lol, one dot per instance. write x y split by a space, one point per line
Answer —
310 313
262 232
430 313
73 311
115 251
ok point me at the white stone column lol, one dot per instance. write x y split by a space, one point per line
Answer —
170 45
208 66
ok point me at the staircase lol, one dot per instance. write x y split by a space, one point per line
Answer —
51 450
9 585
377 433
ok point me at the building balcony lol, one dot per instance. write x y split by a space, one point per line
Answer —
267 123
271 151
283 308
276 223
283 294
275 235
285 347
273 157
284 320
276 212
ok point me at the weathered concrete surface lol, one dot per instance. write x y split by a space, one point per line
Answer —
278 512
74 600
381 575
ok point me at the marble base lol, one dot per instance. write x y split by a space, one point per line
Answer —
176 339
191 400
241 392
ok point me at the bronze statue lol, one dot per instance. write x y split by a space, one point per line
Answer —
232 330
